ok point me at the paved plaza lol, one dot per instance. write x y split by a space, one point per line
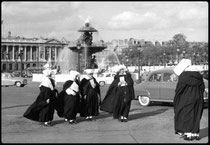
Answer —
153 124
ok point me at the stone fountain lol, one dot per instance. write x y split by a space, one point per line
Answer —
85 47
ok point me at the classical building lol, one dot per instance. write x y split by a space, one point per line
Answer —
17 52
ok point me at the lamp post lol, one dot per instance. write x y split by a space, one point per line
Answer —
21 62
183 52
164 54
178 53
126 61
37 61
7 58
194 57
78 51
139 62
198 56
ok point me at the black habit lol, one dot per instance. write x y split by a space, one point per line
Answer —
68 105
40 110
90 105
188 102
118 98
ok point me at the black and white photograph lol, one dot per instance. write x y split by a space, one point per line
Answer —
104 72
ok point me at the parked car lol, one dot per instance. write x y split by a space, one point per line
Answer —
160 86
16 73
105 78
205 74
8 79
25 73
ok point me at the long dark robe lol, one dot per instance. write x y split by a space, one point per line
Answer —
68 104
40 110
118 99
90 105
188 102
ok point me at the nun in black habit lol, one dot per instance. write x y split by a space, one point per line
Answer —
188 102
69 98
42 110
91 98
119 95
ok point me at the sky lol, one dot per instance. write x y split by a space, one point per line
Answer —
151 21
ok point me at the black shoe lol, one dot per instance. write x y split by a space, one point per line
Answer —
121 120
179 133
75 122
188 138
72 122
48 124
125 120
196 138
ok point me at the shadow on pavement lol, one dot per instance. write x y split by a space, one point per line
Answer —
204 132
146 114
8 107
58 121
81 119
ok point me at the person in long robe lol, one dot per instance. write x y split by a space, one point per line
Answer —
91 98
42 110
119 95
188 103
69 98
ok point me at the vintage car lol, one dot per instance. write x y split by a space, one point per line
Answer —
105 78
7 79
160 86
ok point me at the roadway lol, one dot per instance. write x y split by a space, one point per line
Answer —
153 124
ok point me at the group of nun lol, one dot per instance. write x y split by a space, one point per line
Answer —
81 94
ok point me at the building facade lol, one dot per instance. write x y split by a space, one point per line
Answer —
17 52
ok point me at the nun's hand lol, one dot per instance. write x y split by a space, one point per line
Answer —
119 84
48 101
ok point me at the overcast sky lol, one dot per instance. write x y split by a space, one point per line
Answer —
150 21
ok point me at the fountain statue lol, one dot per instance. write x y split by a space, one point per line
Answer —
86 47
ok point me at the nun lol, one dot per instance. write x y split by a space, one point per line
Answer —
119 95
70 98
91 97
42 110
188 100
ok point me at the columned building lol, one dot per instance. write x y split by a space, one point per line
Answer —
17 52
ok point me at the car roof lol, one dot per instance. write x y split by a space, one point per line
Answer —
6 73
163 69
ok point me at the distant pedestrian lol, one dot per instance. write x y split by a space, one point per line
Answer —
42 110
70 97
119 95
91 97
188 101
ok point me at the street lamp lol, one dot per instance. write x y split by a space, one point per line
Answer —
164 54
198 56
194 57
7 58
178 53
140 49
126 61
37 58
183 53
21 62
78 51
